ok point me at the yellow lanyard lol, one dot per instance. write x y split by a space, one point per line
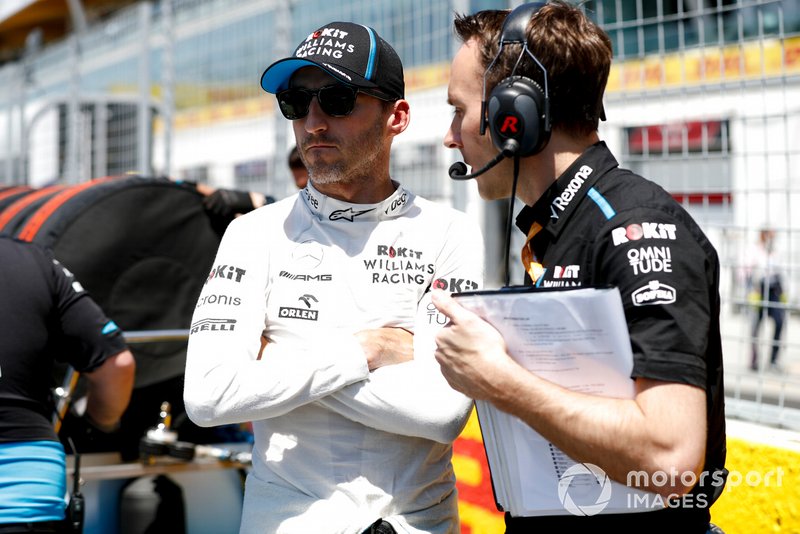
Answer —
529 261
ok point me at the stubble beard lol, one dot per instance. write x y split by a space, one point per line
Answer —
361 155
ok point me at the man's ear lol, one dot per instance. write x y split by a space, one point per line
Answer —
399 119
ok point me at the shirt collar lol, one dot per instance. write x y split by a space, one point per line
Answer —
555 207
331 209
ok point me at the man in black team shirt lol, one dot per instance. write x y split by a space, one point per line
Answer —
46 316
589 222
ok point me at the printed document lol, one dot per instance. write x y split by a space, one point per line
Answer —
577 338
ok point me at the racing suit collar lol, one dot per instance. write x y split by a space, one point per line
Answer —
331 209
559 202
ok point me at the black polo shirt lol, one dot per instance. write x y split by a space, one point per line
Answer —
602 225
45 316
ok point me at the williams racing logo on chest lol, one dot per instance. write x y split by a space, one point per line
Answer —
565 275
393 264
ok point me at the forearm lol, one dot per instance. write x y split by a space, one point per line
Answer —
220 390
109 389
662 429
410 399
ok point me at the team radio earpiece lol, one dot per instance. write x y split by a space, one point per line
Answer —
518 111
519 108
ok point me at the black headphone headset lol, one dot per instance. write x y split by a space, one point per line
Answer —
518 111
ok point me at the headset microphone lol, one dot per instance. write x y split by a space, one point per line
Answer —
458 170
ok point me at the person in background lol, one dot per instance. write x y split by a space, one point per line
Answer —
47 317
589 222
316 322
764 281
297 168
228 203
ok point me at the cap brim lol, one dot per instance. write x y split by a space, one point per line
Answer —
276 77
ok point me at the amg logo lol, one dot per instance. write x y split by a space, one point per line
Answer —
213 325
306 277
298 313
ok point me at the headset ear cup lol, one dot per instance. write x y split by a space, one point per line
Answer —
517 111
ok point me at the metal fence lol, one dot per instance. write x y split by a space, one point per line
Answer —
704 98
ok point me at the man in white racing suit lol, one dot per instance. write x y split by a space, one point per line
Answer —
316 323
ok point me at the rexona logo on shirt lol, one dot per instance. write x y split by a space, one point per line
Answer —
653 293
562 201
213 325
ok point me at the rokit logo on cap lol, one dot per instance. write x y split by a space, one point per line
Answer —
325 42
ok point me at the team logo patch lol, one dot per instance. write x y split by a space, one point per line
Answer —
646 230
653 293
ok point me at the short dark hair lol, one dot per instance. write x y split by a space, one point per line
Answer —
575 51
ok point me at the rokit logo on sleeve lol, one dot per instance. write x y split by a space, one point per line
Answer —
454 285
227 272
654 293
646 230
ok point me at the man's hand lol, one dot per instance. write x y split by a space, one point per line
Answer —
470 351
386 346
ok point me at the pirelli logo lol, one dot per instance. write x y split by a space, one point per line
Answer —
213 325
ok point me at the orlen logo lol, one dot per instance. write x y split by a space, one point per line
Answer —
562 201
454 285
647 230
653 293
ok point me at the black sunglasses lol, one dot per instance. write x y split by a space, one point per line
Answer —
336 100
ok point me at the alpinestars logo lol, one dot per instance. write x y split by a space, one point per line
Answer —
348 215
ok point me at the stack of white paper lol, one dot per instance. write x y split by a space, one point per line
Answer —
577 338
